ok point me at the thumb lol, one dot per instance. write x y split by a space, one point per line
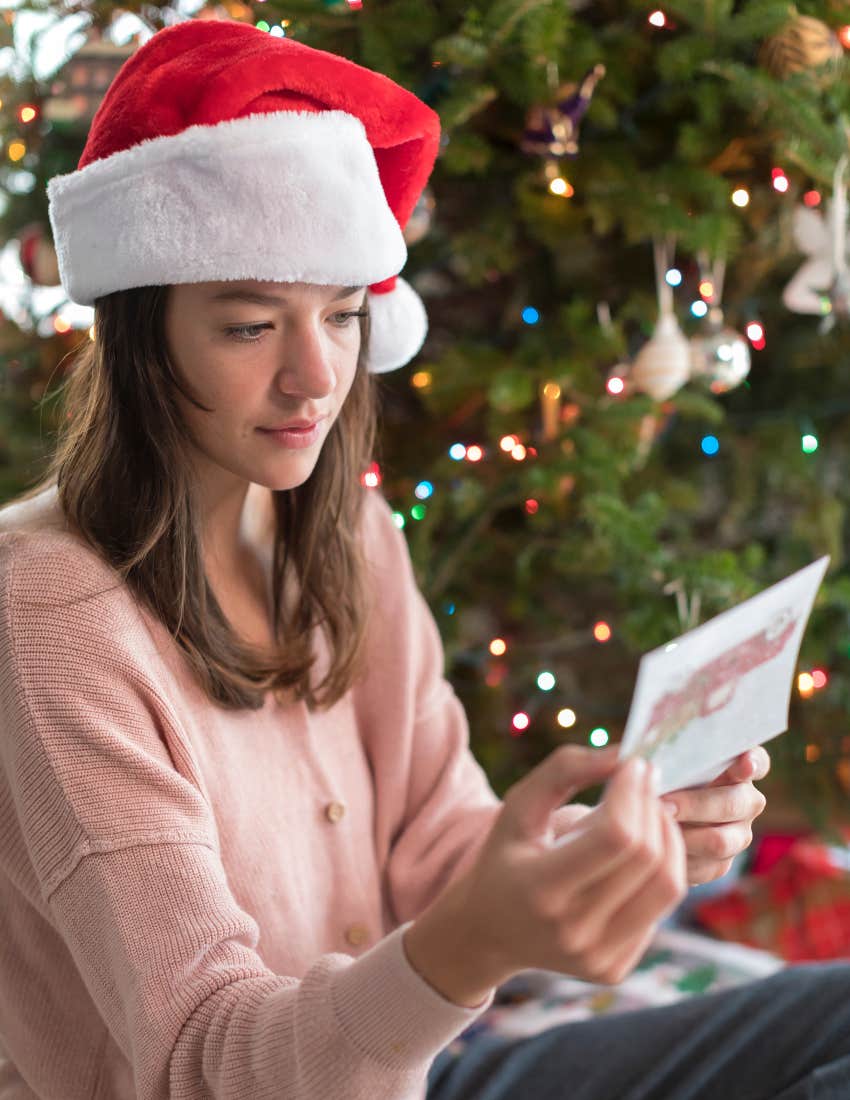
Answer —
570 768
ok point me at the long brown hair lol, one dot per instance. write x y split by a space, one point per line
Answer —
122 471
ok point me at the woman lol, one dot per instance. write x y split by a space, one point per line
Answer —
245 850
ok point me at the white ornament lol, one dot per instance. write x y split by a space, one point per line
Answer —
719 354
663 364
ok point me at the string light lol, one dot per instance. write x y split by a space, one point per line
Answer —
741 196
418 511
615 385
371 477
805 684
560 186
812 198
598 737
518 452
809 444
844 36
530 315
508 442
755 332
780 180
819 678
421 380
423 490
531 506
545 681
674 276
520 721
812 753
706 289
26 113
398 520
474 453
17 150
457 451
657 18
710 444
498 646
699 309
602 631
566 718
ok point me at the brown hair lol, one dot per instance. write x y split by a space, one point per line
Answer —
122 470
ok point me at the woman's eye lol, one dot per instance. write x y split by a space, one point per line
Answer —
235 333
242 333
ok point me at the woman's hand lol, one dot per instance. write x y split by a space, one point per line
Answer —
716 819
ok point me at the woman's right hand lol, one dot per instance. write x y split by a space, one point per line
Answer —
589 904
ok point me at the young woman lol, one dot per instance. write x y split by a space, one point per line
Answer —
244 847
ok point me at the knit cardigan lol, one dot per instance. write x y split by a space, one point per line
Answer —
205 904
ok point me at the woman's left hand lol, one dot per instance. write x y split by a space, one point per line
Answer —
716 818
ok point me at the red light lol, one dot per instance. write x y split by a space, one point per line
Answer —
531 506
812 198
602 632
819 678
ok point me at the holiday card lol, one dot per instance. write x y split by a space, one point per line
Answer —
722 688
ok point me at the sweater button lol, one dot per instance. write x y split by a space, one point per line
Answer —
357 934
334 811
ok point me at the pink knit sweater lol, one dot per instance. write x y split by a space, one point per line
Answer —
204 904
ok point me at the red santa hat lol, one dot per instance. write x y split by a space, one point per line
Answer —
222 152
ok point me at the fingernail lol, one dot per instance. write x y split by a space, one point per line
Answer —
671 807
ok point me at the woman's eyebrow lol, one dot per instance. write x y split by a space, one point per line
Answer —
257 297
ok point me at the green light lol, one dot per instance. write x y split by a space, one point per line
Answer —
809 443
545 681
598 737
418 511
262 25
398 519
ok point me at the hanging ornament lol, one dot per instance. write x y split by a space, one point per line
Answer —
719 354
37 255
822 285
551 131
419 222
78 86
802 44
663 364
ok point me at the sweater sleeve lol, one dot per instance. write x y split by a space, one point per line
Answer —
435 805
125 859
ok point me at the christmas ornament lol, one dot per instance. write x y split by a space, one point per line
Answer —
553 130
822 285
37 255
663 364
719 354
420 220
79 85
804 43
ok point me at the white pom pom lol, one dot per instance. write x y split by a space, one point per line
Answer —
398 325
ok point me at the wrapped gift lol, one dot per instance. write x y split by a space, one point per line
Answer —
799 908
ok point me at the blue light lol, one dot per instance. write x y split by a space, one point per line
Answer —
457 451
449 608
699 309
423 490
710 444
530 315
674 276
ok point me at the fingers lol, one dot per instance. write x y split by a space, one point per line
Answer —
660 894
717 805
586 855
593 906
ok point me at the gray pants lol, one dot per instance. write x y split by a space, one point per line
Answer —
784 1037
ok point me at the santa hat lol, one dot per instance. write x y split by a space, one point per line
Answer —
223 152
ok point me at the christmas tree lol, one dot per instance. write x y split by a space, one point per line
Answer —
630 410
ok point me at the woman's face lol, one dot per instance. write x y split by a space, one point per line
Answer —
262 365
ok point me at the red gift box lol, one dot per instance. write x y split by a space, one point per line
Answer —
798 908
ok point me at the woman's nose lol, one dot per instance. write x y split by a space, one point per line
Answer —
308 366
